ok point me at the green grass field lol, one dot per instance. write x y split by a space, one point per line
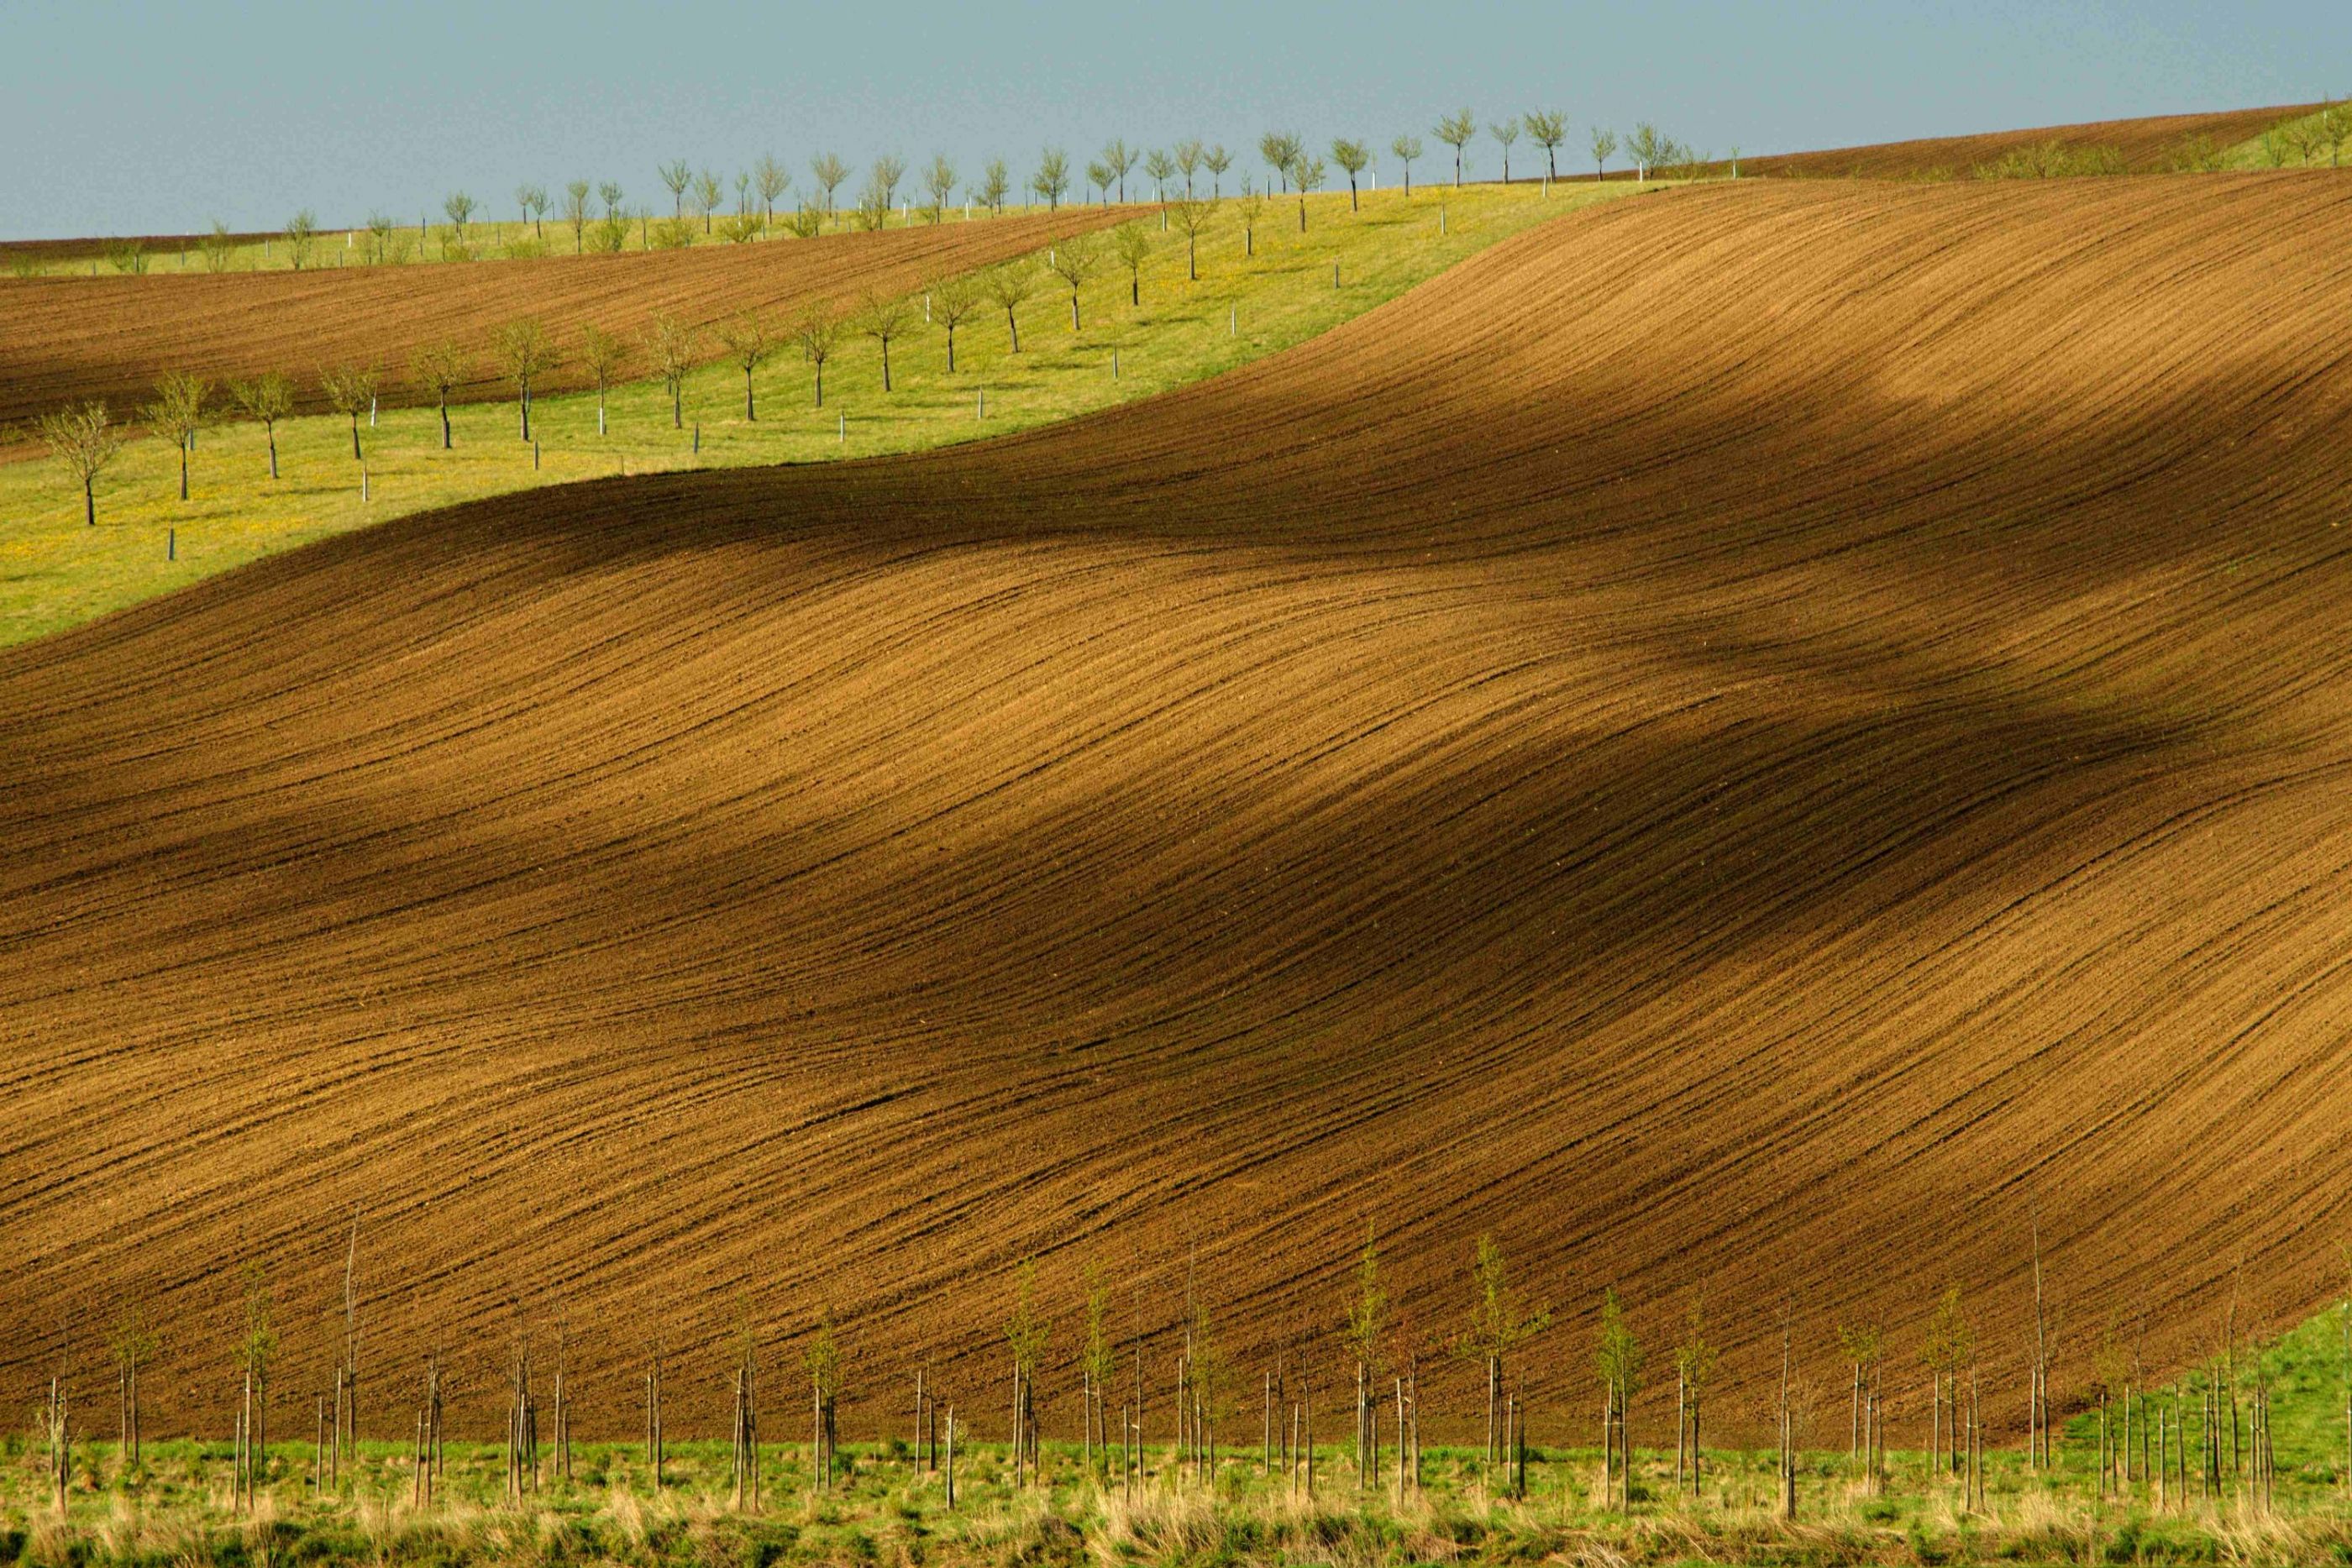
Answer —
54 572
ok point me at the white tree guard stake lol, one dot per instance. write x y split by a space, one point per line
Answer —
371 411
364 481
1233 322
1114 365
841 431
979 404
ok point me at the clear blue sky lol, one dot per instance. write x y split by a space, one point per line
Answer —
129 118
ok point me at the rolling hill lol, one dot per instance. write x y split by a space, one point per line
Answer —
1764 739
2147 145
65 338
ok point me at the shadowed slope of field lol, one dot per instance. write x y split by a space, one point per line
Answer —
65 338
2147 145
1744 739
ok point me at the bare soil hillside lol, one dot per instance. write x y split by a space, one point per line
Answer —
2147 145
1750 740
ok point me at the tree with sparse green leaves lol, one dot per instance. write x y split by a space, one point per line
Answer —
1118 158
1617 1357
747 340
995 184
301 229
882 317
1159 168
1547 128
1098 177
1647 147
818 328
269 397
1192 216
1189 153
1407 149
1308 175
677 174
460 207
772 180
178 409
1946 1350
532 199
1026 1334
1098 1367
525 352
1455 131
133 1344
707 193
1249 207
1133 243
1505 133
1604 146
1694 1359
829 173
1053 176
349 391
1352 156
821 1360
439 368
1073 261
1281 149
1500 1322
939 183
603 355
673 345
575 214
1216 161
954 299
84 441
1361 1333
1009 287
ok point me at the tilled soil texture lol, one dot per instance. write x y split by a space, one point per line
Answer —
63 340
1765 739
2146 145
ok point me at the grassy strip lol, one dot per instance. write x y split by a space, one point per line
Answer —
55 573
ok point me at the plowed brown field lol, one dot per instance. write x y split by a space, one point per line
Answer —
64 339
2145 144
1743 740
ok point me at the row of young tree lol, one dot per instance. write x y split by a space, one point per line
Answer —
1194 1401
701 205
85 440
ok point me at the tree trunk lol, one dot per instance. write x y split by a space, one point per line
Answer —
355 438
885 364
750 410
183 467
445 421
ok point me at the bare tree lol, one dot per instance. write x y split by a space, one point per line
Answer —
1455 131
1604 146
349 391
524 351
747 341
1506 133
439 368
602 355
873 207
829 173
1407 149
1248 207
772 179
883 317
269 397
1547 128
1695 1361
1117 159
1352 156
822 1361
677 175
1009 287
1192 217
1216 161
1133 243
995 184
815 331
134 1344
1053 176
575 213
707 193
939 182
1073 261
672 343
532 200
609 193
459 206
1360 1333
1500 1322
178 408
1026 1336
84 442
